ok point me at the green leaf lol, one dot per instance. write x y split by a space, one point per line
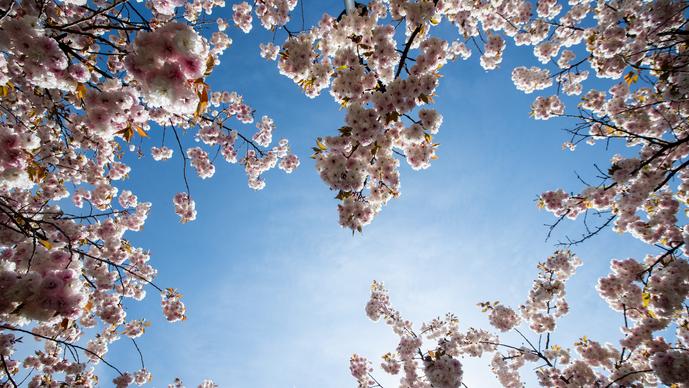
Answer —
342 195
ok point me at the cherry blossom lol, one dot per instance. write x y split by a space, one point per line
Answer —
81 84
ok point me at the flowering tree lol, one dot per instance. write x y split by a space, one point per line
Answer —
83 84
641 48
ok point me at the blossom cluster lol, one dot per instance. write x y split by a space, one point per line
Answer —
78 85
440 366
166 61
271 13
596 364
357 56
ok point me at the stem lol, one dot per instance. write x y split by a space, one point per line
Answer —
7 372
627 375
63 343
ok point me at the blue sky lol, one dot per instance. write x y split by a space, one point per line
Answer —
275 289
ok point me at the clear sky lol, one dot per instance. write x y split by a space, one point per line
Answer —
276 290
